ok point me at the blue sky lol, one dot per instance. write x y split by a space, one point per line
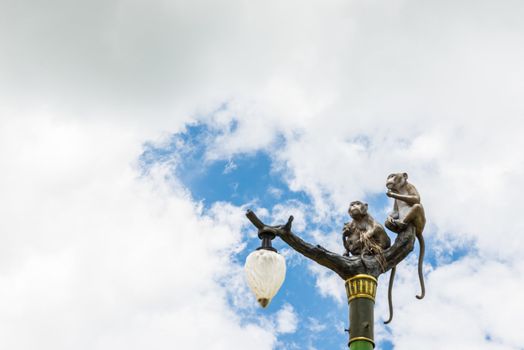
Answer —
252 181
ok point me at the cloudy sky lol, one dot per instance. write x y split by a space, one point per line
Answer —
135 134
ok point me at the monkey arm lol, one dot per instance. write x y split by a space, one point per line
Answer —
345 235
408 198
395 214
377 230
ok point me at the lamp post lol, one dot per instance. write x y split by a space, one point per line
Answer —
371 255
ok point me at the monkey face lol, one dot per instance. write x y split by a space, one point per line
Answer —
396 181
357 209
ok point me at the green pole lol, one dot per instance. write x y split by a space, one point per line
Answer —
361 290
361 345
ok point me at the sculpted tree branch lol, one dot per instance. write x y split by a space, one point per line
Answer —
343 266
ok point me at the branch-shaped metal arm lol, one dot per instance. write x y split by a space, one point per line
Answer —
343 266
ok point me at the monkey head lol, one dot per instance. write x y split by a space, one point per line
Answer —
357 209
396 181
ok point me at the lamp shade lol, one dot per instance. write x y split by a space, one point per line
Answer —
265 273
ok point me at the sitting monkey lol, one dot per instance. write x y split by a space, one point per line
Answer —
406 210
363 235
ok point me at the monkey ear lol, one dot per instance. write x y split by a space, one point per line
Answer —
405 175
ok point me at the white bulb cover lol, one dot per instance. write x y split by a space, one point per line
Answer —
265 273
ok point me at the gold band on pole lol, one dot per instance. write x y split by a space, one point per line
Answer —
361 286
362 338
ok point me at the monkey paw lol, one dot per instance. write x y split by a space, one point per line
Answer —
401 225
394 225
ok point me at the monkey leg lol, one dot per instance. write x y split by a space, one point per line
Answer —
416 211
391 224
400 225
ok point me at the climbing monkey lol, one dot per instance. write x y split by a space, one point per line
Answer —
407 210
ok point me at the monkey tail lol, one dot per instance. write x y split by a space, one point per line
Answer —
390 296
420 262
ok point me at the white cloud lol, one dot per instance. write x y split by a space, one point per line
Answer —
96 257
280 214
230 166
315 325
328 283
275 192
286 319
467 301
331 241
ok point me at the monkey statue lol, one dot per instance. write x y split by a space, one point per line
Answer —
407 210
363 235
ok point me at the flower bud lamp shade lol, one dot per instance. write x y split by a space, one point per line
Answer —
265 273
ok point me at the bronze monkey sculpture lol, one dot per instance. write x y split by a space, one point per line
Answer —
363 235
407 209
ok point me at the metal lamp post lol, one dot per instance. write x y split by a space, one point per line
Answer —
369 253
